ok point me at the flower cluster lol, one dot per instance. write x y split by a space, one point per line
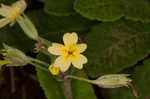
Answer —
68 54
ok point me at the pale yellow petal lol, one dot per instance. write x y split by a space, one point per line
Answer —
14 10
20 5
81 47
5 11
3 22
78 63
70 38
62 64
55 49
5 7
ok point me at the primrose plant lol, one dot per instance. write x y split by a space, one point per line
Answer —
63 57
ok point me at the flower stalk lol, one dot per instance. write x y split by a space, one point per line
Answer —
39 66
68 90
38 61
107 81
79 78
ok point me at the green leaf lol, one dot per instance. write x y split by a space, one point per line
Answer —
52 88
107 10
141 82
59 7
137 10
80 89
113 47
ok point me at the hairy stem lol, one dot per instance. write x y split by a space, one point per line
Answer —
79 78
39 61
68 90
40 67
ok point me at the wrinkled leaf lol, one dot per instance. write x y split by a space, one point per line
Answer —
137 10
115 46
105 10
108 10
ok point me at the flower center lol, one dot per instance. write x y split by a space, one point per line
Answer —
70 52
15 14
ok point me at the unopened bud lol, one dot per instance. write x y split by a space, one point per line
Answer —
28 27
113 81
53 70
15 56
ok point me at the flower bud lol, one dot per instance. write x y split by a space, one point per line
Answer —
53 70
113 81
15 56
28 27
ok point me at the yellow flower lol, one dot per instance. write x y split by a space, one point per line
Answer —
10 13
69 52
53 70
